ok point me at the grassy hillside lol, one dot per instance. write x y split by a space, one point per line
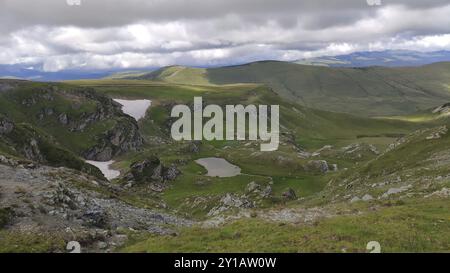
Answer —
25 141
373 91
177 74
77 118
408 227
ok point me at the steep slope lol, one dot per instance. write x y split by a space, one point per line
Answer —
80 120
24 141
415 165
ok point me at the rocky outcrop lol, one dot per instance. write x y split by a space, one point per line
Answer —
255 189
151 170
25 142
438 133
229 202
20 140
317 166
124 137
6 125
76 110
31 150
48 198
289 194
443 109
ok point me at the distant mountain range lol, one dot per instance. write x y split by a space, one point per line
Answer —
35 73
390 58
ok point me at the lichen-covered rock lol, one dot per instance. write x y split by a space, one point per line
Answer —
171 173
252 187
318 165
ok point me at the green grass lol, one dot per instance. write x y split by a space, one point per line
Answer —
412 227
370 91
30 242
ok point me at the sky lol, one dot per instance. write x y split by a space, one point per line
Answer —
57 35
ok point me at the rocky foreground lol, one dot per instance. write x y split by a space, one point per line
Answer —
73 206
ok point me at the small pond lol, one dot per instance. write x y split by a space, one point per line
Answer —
134 108
219 167
105 168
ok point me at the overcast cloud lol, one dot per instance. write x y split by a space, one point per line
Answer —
105 34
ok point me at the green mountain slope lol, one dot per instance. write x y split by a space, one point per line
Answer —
178 75
24 141
372 91
80 120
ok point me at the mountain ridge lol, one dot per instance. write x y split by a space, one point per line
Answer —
369 91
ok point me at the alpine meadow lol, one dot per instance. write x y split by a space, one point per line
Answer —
227 127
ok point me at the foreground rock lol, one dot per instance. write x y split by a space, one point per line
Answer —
64 201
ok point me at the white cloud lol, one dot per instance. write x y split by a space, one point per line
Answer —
226 35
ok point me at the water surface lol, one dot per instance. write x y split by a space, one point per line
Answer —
105 168
219 167
134 108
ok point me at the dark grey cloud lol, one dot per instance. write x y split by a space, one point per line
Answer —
104 13
133 33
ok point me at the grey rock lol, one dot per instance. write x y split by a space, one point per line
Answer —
443 193
392 191
266 192
334 167
102 245
367 197
252 187
318 165
289 194
6 126
171 173
63 119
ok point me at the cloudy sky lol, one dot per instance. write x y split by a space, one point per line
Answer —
105 34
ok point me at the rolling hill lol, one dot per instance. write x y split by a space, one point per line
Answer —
390 58
372 91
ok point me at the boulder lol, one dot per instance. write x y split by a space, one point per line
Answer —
96 218
318 165
252 187
289 194
152 170
392 191
266 192
170 173
146 170
367 197
6 126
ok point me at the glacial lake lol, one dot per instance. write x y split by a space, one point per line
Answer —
134 108
218 167
105 168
